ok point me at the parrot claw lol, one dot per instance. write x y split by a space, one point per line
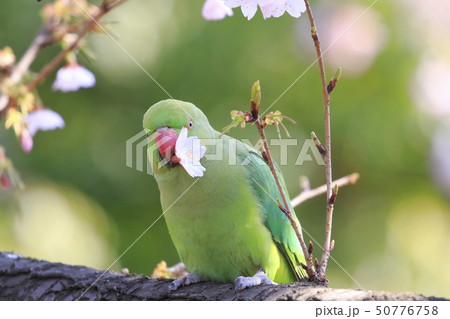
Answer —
184 281
260 278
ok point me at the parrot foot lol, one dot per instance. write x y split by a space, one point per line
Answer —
260 278
184 281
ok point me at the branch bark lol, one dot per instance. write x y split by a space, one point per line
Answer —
31 279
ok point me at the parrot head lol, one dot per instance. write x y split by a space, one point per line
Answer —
163 123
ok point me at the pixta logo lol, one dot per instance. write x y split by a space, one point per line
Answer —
136 152
219 149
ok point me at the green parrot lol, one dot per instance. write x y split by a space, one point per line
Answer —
220 208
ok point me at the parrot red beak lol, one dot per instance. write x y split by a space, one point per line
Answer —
165 139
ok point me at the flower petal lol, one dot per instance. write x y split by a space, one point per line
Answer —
295 8
193 170
43 120
190 150
202 150
73 77
84 77
249 10
269 8
234 3
215 10
26 141
181 140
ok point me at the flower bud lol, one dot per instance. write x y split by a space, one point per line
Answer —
26 141
255 98
4 181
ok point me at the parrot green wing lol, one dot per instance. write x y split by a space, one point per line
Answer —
265 189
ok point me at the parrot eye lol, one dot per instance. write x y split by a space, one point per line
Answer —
190 125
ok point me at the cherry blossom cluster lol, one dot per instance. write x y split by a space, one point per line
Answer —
24 111
64 23
219 9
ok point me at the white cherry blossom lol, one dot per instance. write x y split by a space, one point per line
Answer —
43 120
215 10
269 8
73 77
190 150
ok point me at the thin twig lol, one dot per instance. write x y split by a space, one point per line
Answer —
308 194
253 117
49 67
25 62
30 55
105 7
41 40
285 207
327 156
270 162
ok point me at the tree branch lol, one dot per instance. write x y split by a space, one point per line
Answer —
25 62
105 7
31 279
45 37
311 193
327 156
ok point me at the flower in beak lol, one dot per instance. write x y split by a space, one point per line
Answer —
189 151
180 149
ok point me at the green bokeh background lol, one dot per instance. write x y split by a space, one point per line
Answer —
83 205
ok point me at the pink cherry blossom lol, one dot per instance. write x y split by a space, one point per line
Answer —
26 141
73 77
215 10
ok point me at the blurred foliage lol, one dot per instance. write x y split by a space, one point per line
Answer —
391 229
